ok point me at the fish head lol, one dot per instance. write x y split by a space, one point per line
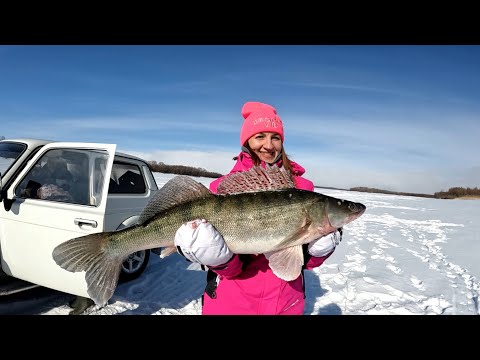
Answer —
341 212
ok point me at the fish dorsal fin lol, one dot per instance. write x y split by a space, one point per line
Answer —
286 263
256 179
177 190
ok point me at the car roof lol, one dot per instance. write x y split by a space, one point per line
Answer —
31 141
118 153
40 142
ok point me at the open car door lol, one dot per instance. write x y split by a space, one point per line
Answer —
61 194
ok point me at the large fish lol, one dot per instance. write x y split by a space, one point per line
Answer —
257 211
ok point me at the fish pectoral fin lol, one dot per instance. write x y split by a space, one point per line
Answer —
286 263
169 250
300 234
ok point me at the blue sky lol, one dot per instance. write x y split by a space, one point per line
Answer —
401 118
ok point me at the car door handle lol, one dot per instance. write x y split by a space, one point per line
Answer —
79 221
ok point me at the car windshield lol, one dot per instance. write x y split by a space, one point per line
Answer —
9 153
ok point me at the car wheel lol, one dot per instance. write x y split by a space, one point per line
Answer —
134 265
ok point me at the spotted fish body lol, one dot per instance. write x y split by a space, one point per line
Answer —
258 211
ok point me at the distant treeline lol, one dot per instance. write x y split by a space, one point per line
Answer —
452 193
457 192
373 190
181 170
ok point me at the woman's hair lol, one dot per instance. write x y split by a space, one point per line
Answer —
256 160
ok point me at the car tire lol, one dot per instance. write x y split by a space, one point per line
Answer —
134 265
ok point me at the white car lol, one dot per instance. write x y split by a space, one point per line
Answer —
51 192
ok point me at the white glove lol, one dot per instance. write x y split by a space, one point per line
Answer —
198 241
326 244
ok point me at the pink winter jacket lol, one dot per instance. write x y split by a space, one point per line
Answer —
246 284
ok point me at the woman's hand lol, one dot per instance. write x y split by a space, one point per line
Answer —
198 241
326 244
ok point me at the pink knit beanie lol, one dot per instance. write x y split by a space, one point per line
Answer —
259 117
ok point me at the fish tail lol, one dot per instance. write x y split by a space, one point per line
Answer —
91 254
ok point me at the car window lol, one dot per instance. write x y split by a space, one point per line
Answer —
100 164
126 179
9 152
63 175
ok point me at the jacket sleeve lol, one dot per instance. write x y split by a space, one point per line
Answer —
303 184
229 270
311 262
314 261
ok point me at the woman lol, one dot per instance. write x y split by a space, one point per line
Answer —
244 284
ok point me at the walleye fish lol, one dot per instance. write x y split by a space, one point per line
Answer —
258 211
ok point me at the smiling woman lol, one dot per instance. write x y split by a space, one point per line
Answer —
252 284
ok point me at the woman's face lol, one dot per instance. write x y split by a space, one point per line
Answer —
267 145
